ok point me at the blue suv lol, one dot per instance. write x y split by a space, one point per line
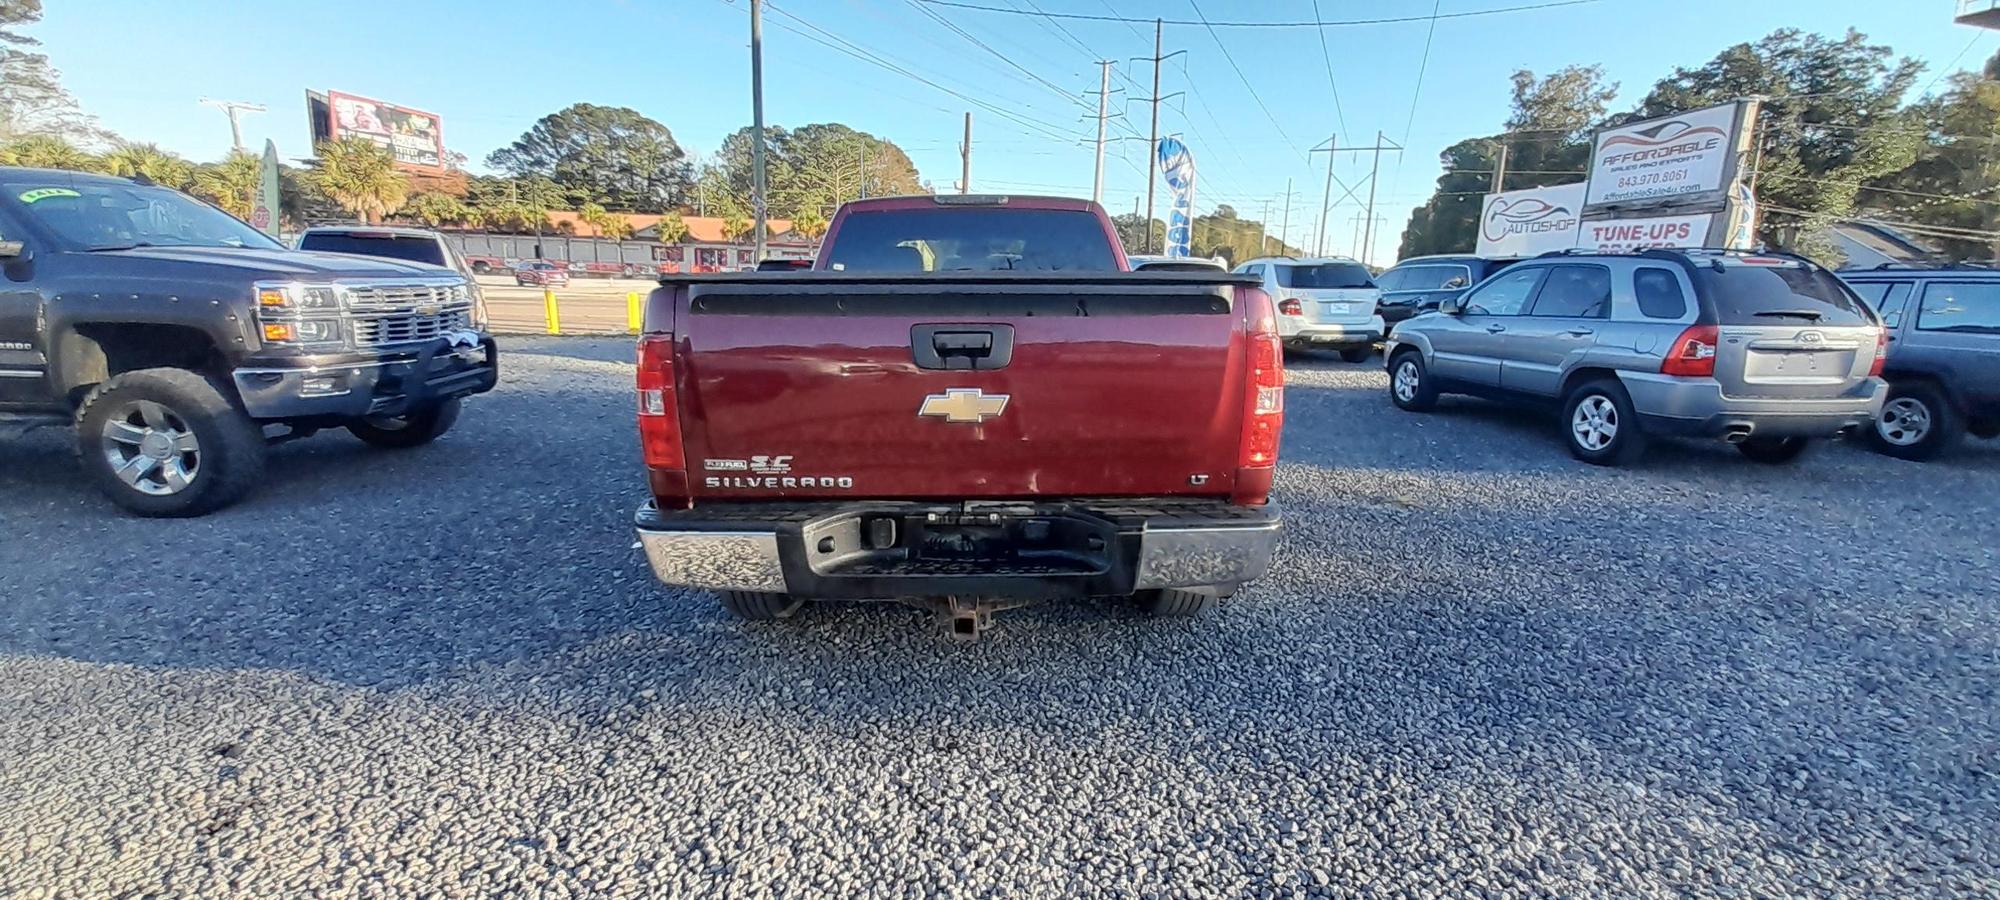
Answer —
1943 365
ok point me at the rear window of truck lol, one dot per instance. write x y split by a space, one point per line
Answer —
1756 294
394 246
971 240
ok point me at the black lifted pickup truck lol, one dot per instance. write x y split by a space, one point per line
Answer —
181 341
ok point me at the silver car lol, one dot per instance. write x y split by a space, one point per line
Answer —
1322 301
1764 351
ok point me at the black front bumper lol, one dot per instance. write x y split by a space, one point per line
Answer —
350 386
863 550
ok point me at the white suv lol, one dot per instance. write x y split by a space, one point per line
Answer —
1323 301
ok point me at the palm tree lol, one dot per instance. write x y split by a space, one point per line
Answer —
361 176
672 228
593 215
435 208
46 151
734 224
131 158
809 223
230 183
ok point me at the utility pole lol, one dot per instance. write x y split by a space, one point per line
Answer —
1326 198
863 178
1153 142
234 109
757 204
1103 93
1285 228
1500 168
1329 150
965 158
1264 228
1374 170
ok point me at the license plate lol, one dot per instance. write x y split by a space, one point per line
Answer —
1337 309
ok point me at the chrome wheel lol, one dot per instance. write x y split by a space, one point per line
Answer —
1406 381
151 448
1905 421
1594 424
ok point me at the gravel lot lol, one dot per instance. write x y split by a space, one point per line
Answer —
1479 667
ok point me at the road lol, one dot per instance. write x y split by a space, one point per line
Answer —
1478 667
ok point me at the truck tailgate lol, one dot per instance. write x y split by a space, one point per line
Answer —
960 386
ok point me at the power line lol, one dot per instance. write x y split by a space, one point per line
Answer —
1312 24
851 49
1054 88
1241 77
1320 29
1423 65
1880 190
1954 61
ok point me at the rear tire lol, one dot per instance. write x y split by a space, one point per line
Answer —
1357 354
1600 426
168 443
760 606
1917 422
412 429
1410 386
1773 451
1171 603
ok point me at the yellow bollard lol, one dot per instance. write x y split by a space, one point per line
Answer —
549 311
632 311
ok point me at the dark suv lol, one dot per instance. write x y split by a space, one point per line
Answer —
1944 355
1420 283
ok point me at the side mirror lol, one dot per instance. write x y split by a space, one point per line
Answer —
1451 306
12 250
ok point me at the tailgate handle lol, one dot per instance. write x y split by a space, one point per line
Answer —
962 347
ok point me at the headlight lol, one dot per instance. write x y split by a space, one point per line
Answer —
303 298
299 315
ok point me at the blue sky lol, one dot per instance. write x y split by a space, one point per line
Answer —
489 69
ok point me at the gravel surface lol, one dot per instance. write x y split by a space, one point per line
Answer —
1478 668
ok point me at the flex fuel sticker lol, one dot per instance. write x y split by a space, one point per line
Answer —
46 193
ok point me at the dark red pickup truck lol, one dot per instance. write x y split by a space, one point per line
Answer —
967 404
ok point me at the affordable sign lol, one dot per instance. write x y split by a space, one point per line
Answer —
1624 235
1662 158
1529 222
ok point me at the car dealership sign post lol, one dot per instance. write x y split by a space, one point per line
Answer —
1674 181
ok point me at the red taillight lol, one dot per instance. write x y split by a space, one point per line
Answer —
1264 400
1291 307
1693 353
1881 353
659 409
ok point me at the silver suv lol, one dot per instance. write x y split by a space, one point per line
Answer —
1322 301
1765 351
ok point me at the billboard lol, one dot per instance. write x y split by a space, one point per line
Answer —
1684 157
1529 222
1177 166
1626 235
415 137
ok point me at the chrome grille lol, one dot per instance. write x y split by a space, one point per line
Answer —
384 297
401 328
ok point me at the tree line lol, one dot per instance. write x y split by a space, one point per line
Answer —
1835 142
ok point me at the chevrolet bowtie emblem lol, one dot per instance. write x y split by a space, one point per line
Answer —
963 405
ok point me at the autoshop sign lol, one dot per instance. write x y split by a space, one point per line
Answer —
1624 235
1660 160
415 137
1515 224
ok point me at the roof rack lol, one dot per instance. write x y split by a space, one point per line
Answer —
1921 265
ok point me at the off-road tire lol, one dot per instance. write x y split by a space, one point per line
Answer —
419 427
1424 397
1947 427
1773 451
1628 439
1168 603
1357 354
232 445
759 606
